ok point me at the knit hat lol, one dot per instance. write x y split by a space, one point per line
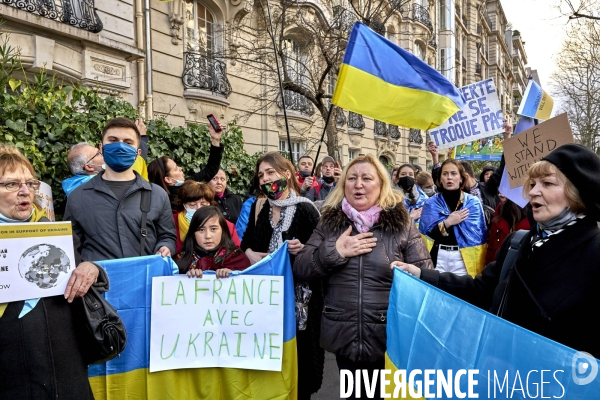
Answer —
582 167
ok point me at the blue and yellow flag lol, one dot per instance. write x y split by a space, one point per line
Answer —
383 81
482 355
471 234
536 103
127 376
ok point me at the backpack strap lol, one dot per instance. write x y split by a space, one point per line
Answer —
145 208
509 262
259 205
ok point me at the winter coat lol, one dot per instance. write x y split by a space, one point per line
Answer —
235 261
356 300
498 232
42 354
301 182
319 192
563 276
109 228
311 357
230 205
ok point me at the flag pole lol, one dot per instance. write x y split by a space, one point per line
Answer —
287 128
322 137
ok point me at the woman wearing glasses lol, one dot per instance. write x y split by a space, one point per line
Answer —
40 339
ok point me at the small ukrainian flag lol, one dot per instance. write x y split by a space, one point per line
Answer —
536 102
383 81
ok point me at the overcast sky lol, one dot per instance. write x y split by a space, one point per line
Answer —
542 29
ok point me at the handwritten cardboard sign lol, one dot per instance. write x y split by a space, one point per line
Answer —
530 146
235 322
480 117
36 260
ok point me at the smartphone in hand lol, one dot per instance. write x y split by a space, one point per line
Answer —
214 122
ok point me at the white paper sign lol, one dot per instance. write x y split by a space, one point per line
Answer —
235 322
36 260
480 117
44 196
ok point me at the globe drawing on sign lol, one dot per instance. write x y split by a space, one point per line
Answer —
44 265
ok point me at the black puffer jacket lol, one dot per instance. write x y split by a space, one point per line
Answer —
357 296
230 205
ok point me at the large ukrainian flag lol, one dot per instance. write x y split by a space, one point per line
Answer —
127 376
471 234
383 81
428 329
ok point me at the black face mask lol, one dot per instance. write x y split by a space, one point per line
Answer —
328 179
304 174
406 183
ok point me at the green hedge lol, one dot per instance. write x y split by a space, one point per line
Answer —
44 118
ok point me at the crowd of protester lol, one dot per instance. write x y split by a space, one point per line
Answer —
345 228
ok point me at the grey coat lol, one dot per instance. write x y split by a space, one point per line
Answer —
109 228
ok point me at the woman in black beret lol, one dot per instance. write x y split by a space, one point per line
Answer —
553 287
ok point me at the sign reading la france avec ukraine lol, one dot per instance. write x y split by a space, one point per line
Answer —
36 260
235 322
480 117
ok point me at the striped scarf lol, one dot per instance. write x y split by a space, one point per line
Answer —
553 227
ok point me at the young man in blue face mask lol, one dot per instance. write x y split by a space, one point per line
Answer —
106 212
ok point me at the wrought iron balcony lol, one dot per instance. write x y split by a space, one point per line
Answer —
340 118
421 14
355 121
478 68
380 128
79 13
394 131
202 72
415 136
432 43
296 102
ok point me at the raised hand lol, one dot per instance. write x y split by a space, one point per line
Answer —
350 246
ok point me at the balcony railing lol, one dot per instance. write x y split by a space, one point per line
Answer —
415 136
79 13
355 121
394 131
296 102
202 72
340 118
478 68
432 43
380 128
421 14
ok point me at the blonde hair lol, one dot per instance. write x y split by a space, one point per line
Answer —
423 177
545 168
11 159
388 197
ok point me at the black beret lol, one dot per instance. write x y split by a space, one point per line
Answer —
582 167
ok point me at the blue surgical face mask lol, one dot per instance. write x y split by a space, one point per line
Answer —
178 183
189 214
119 156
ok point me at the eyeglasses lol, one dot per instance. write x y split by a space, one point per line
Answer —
96 155
15 186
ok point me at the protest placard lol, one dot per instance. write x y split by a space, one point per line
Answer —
36 260
199 323
481 117
528 147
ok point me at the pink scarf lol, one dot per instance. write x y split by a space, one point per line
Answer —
363 220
